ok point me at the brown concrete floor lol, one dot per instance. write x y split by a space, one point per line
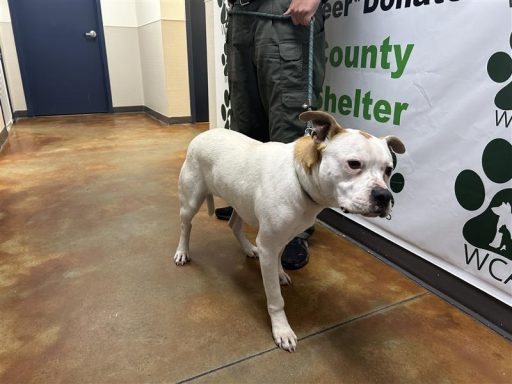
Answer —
88 292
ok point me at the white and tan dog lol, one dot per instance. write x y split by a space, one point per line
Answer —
280 189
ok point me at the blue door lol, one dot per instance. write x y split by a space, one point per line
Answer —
62 57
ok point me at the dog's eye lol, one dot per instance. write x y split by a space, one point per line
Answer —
354 164
388 171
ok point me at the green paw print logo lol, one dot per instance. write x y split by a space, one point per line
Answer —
491 229
499 68
225 109
397 181
223 11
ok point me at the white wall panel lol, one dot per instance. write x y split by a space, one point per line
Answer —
12 67
124 63
119 13
153 68
148 11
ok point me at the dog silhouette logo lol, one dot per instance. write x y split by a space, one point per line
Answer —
489 230
502 240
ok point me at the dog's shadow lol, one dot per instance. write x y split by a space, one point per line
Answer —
315 302
219 262
219 258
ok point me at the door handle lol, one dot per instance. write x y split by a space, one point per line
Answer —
91 34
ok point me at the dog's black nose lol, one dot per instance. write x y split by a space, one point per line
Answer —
381 197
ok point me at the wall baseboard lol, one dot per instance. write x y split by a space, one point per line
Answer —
3 137
156 115
492 312
180 120
167 120
133 108
17 114
4 134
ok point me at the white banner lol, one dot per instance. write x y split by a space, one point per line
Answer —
223 110
438 74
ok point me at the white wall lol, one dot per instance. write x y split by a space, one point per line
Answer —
124 65
4 100
153 68
123 52
148 11
174 37
5 17
133 34
121 13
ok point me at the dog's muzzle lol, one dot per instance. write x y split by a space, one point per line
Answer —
381 198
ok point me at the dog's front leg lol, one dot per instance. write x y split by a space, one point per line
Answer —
283 334
284 279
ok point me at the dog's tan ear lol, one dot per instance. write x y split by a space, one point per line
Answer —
395 144
324 125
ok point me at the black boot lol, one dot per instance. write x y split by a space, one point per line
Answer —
295 254
223 213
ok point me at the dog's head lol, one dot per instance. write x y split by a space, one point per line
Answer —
351 168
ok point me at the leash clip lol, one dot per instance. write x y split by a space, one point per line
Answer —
309 129
309 125
388 217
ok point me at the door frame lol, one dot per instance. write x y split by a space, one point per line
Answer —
25 76
192 50
7 91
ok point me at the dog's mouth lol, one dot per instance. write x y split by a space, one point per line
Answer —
376 212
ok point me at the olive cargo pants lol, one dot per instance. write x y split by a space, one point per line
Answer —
268 71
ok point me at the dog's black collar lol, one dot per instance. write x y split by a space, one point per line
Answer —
306 193
303 190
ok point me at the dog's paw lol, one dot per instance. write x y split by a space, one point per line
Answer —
251 251
284 279
181 258
285 338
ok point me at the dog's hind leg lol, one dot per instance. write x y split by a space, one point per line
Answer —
192 192
235 222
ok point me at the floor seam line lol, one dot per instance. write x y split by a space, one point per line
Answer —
339 325
366 315
226 366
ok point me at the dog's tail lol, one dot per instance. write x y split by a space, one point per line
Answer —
210 204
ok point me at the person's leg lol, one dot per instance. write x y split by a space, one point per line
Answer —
286 95
248 115
281 54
